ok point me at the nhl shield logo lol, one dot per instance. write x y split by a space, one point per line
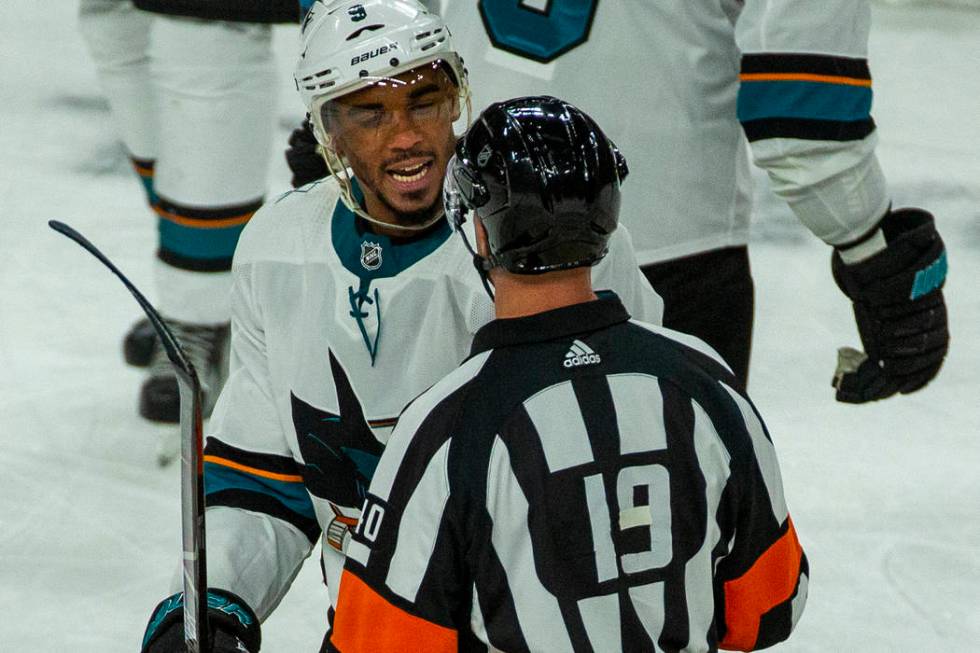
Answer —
370 255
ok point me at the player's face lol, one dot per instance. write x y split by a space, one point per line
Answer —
397 136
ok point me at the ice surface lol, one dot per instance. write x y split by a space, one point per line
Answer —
886 497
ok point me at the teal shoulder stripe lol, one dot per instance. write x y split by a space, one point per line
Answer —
199 243
293 496
806 100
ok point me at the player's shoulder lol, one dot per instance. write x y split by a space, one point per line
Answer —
284 226
448 392
621 237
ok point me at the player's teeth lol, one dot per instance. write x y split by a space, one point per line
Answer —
422 171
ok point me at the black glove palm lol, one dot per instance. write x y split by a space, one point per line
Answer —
233 626
303 158
899 309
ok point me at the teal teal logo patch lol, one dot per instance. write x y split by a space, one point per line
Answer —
929 278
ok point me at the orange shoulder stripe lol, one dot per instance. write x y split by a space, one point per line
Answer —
804 77
255 471
203 223
770 581
366 623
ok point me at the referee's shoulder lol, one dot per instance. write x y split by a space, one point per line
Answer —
692 346
697 354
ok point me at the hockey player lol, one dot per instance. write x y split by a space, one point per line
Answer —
191 86
349 298
620 494
663 78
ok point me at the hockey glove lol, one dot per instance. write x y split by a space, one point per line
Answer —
233 626
899 309
303 158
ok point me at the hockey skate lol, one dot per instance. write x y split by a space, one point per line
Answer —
138 343
206 346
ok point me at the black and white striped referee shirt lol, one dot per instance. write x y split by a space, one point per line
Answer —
583 482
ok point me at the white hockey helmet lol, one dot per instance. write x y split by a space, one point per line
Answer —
347 45
350 44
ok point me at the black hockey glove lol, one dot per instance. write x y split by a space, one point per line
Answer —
233 626
899 309
303 158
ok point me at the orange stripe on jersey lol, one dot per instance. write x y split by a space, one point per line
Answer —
366 622
203 223
288 478
803 77
143 170
770 581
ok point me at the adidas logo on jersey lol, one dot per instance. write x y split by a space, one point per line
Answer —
580 354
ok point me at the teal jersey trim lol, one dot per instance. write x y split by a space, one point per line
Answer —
198 243
292 495
372 256
803 100
365 462
151 194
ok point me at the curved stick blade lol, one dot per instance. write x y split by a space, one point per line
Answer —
170 344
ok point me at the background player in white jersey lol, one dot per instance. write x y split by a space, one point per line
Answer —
619 494
191 85
349 297
663 79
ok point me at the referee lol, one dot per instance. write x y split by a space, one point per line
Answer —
583 481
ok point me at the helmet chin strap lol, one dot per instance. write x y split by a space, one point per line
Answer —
482 265
340 172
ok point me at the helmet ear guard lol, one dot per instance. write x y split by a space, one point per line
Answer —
463 191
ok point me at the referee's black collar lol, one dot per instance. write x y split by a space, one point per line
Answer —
540 327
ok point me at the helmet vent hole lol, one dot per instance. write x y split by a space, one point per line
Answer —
394 62
363 73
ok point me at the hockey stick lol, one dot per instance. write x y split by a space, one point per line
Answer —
191 460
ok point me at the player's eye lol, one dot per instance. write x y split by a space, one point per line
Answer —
423 110
366 117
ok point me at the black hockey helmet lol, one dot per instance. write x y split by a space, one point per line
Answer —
543 179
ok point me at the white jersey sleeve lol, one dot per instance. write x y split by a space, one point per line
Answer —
805 104
261 524
662 80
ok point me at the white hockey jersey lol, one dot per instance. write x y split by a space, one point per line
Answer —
334 331
668 82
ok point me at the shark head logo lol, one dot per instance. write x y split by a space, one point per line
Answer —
340 450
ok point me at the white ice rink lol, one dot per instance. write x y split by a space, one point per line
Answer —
886 497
